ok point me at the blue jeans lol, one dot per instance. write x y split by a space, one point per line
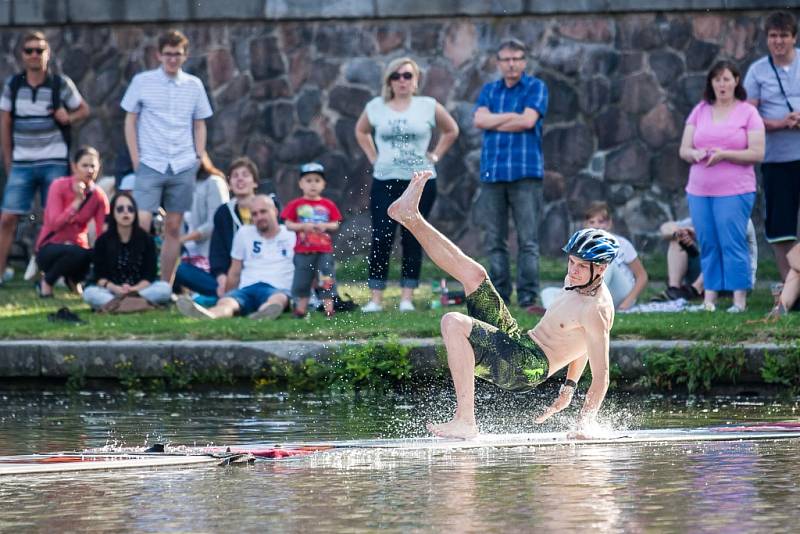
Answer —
251 297
383 193
24 180
524 197
195 279
721 226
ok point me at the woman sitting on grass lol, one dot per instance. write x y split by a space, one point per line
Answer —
62 249
125 259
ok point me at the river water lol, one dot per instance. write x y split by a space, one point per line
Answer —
690 487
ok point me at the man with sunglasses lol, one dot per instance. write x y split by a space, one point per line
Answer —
37 108
773 87
165 132
509 111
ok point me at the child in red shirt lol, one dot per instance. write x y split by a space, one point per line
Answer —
313 218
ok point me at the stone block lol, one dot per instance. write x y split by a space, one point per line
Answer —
300 147
667 66
554 231
309 104
613 127
460 43
659 125
669 171
221 67
568 149
563 102
313 9
364 71
700 55
438 82
299 67
390 37
426 37
594 94
5 12
678 33
591 29
629 164
563 56
234 91
448 8
341 41
348 101
271 89
39 12
278 120
604 61
346 138
20 359
553 186
266 59
581 191
324 72
639 93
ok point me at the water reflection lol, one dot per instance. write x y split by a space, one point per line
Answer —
710 487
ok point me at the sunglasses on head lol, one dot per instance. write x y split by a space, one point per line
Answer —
397 75
29 51
122 208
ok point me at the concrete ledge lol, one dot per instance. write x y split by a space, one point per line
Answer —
59 12
244 360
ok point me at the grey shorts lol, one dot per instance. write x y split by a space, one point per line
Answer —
171 191
306 267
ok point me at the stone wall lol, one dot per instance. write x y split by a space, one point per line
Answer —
286 92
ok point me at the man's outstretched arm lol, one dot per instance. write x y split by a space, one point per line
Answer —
574 373
597 326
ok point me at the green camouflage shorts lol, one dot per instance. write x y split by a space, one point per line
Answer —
504 355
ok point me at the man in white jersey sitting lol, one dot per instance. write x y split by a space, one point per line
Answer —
261 269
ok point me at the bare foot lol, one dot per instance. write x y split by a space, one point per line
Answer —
454 429
406 208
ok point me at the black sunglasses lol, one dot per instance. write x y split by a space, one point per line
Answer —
29 51
397 75
122 208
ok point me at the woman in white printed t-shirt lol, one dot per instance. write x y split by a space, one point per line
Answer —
394 131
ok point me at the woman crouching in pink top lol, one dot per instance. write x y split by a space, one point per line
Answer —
63 244
723 138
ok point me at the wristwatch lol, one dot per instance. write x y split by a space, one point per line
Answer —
568 383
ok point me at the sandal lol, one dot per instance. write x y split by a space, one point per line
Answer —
64 314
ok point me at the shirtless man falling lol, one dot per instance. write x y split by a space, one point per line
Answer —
488 342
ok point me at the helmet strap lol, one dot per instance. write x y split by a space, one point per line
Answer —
590 287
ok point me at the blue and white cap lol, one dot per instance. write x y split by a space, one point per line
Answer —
592 244
313 167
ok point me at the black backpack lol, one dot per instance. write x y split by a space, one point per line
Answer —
55 82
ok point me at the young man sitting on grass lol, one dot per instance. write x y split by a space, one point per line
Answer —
261 269
488 342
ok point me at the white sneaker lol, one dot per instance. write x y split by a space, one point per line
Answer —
735 309
372 307
8 274
406 306
705 306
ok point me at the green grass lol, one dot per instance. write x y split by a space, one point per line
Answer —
24 316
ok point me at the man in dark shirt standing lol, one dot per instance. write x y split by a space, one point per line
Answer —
509 111
37 108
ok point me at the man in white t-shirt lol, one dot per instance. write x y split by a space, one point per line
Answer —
261 271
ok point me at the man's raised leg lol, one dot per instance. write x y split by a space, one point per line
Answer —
439 248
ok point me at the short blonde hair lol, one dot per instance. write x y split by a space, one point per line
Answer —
386 90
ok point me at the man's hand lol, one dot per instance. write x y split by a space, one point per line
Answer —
563 400
222 281
61 116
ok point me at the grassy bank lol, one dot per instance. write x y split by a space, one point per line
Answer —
24 316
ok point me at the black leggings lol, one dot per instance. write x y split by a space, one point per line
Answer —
70 261
383 193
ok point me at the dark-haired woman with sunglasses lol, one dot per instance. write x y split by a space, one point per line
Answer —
125 259
394 131
62 248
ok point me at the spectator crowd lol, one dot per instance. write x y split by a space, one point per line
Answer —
225 250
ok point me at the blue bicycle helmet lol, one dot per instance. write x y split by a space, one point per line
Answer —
592 244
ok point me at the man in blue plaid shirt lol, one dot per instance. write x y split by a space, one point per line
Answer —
509 111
